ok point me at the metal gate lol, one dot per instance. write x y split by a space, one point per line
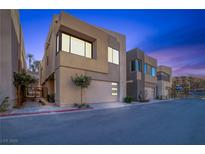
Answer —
34 93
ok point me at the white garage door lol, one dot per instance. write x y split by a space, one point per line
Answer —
149 92
101 91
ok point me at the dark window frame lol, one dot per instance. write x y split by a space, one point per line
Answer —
70 35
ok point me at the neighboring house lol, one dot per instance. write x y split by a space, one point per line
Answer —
12 52
75 47
164 82
141 75
183 85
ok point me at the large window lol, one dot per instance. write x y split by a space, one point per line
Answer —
133 66
153 71
139 65
113 55
65 42
76 46
145 68
163 76
136 65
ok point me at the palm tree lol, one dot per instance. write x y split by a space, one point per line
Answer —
30 60
36 65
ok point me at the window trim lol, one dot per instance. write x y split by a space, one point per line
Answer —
57 43
145 68
139 65
131 66
70 35
136 61
152 67
112 56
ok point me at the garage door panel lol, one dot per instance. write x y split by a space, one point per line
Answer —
101 91
149 93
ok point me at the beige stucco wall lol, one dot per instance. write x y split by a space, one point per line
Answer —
163 87
68 93
164 69
98 91
64 65
12 54
6 88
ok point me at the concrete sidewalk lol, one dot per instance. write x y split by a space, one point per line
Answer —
122 104
35 108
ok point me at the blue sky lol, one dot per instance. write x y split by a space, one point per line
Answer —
175 37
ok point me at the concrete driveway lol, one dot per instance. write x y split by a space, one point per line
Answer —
174 122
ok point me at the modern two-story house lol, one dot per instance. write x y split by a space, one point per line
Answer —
12 52
75 47
164 82
141 75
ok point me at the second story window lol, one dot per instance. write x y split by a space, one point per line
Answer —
163 76
139 65
145 68
113 56
153 71
76 46
133 66
136 65
65 42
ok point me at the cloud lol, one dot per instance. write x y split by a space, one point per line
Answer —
184 60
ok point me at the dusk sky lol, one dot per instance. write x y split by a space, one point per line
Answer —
175 37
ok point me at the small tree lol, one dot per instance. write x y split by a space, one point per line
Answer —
81 81
21 81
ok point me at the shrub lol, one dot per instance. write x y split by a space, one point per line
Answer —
144 100
4 105
51 98
21 81
42 102
159 97
81 105
128 99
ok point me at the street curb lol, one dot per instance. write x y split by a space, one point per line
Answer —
42 112
14 115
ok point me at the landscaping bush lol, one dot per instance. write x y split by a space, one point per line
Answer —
159 97
42 101
4 106
21 81
144 100
51 98
128 99
81 105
